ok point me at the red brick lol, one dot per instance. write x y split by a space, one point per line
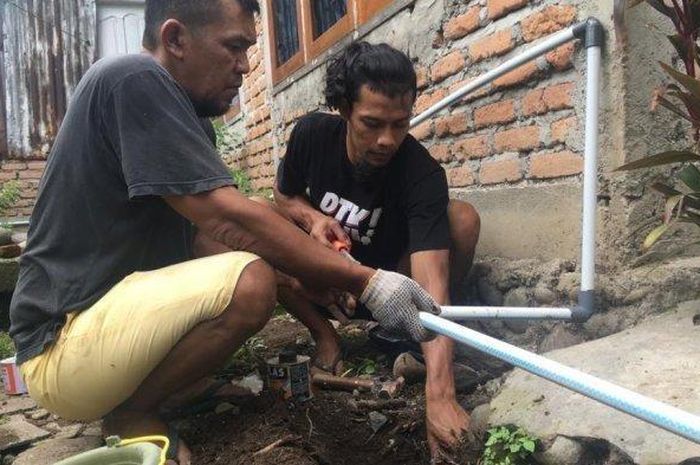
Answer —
546 21
517 139
498 8
494 44
423 130
560 58
31 174
517 76
460 177
425 101
461 25
471 147
421 77
555 165
560 129
500 112
452 124
36 165
480 92
549 98
14 166
495 172
440 152
447 66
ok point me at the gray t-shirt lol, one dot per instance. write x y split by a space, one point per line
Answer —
130 136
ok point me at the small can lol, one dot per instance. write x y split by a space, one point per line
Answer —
11 377
288 376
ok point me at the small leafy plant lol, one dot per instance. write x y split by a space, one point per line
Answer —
507 445
242 180
7 347
249 352
9 195
363 366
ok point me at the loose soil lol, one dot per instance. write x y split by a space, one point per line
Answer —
326 429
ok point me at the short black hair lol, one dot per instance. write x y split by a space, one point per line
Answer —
383 68
193 13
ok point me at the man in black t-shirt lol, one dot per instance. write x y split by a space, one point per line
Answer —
111 315
359 181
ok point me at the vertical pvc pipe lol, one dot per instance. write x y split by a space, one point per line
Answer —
652 411
590 170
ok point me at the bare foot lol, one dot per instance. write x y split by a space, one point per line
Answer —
131 424
196 390
328 356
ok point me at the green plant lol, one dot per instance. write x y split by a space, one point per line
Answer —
682 98
242 180
362 366
250 352
9 195
7 347
507 445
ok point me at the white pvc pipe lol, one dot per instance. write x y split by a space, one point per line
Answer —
590 170
511 313
545 46
657 413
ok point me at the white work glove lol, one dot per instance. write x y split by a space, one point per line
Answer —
395 300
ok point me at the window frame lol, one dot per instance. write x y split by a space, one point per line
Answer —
297 60
359 12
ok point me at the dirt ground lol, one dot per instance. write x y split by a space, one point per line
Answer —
329 429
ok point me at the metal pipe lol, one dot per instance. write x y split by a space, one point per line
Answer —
652 411
540 49
504 313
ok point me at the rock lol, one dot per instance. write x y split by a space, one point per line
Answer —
517 298
409 368
8 459
377 421
479 418
569 285
70 431
559 338
636 295
489 293
17 432
5 236
657 359
93 429
226 407
253 382
563 451
19 237
52 426
544 295
40 414
10 251
53 450
16 404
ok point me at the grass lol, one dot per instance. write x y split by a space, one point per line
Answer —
7 347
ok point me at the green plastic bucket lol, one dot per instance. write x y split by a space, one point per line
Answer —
142 453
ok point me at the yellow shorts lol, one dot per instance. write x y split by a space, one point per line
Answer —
103 353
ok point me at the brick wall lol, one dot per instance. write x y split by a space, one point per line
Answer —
27 174
518 129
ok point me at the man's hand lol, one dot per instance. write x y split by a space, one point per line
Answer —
445 422
326 230
395 301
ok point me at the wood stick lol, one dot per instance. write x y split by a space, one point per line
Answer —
285 440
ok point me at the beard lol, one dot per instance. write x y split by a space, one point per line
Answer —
365 173
209 108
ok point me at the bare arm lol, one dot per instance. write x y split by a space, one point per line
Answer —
228 217
431 269
321 227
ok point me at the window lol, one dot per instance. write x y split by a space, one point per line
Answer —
300 30
119 27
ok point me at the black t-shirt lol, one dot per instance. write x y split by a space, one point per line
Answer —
130 136
404 210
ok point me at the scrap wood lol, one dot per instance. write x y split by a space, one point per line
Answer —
382 404
280 442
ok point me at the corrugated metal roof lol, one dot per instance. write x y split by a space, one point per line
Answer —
48 45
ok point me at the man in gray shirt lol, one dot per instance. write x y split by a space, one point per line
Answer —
112 315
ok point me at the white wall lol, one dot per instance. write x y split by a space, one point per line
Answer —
119 27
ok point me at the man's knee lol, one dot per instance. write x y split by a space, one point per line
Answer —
253 299
465 221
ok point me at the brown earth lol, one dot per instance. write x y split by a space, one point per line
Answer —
328 429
